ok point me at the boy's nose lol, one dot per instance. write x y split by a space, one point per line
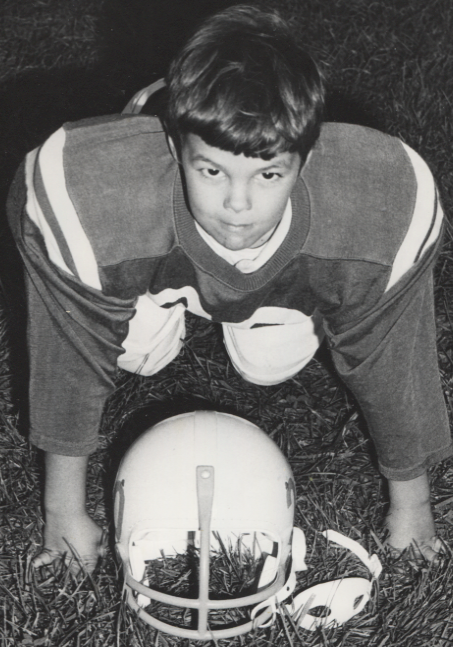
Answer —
238 198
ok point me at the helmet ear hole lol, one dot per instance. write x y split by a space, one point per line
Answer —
320 611
357 602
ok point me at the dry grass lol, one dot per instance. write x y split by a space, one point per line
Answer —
389 65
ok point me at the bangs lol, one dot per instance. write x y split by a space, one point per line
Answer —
229 118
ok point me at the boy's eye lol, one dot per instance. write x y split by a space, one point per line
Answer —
270 175
210 172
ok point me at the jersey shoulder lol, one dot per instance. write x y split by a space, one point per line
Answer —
120 175
362 189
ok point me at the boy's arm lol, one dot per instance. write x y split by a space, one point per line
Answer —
75 334
389 361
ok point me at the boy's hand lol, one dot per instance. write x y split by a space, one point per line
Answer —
410 519
70 533
77 540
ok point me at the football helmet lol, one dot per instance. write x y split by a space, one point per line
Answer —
206 481
205 484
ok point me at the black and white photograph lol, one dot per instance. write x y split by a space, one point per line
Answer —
226 323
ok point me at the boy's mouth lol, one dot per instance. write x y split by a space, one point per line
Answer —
235 227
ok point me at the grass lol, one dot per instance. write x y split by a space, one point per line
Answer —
388 65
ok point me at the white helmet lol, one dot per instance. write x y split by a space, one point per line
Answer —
206 479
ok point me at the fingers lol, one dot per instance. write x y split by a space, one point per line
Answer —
76 563
81 565
45 558
419 553
432 550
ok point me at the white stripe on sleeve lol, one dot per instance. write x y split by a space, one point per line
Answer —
52 171
36 215
426 207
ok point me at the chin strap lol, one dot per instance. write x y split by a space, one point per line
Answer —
139 99
339 600
371 561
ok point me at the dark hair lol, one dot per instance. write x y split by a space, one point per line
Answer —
245 85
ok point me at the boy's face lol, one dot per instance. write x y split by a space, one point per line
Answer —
238 200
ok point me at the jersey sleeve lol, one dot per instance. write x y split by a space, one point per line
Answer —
75 332
426 221
388 359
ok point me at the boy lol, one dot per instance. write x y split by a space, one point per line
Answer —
246 211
